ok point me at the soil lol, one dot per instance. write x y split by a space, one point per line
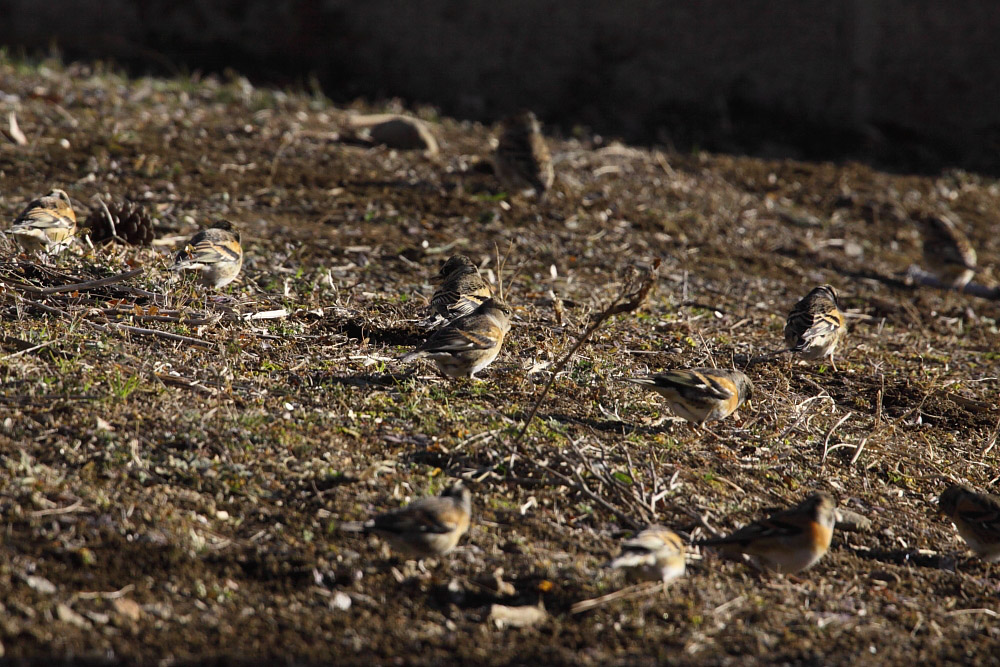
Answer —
177 501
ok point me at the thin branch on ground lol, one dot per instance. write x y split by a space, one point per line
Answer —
629 593
634 293
75 287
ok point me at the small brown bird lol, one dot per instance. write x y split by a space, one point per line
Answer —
977 518
522 158
216 252
47 223
469 343
426 527
816 325
699 395
461 290
948 253
655 554
789 541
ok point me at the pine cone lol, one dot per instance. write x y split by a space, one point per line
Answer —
132 224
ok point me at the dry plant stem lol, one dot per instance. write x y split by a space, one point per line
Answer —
586 490
635 503
151 332
90 284
860 448
805 413
992 441
829 434
637 590
58 510
110 326
110 595
699 519
623 303
111 221
185 383
33 348
173 319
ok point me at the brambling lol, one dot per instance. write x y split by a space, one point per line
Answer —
789 541
977 518
47 223
816 326
216 252
655 554
948 253
522 158
699 395
426 527
469 343
461 290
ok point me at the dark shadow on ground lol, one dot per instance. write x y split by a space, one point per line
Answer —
382 336
367 381
908 557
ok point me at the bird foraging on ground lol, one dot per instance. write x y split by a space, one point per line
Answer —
816 325
699 395
215 252
948 253
426 527
787 542
977 518
469 343
46 224
655 554
461 289
522 158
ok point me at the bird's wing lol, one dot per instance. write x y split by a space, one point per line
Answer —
983 512
696 383
789 523
455 338
208 250
40 216
430 515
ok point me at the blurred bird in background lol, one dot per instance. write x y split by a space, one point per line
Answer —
522 158
47 224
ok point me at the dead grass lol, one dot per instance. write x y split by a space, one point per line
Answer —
175 495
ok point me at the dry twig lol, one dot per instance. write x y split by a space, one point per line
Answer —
633 295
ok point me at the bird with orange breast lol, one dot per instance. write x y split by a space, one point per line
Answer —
787 542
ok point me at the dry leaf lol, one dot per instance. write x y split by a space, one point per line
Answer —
15 131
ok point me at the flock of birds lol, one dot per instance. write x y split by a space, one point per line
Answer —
472 323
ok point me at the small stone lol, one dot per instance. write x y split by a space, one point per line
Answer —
517 617
40 584
504 588
98 618
852 521
128 608
67 615
341 601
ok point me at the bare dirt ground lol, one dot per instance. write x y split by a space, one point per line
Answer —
168 500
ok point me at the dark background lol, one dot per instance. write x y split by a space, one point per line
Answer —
913 84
